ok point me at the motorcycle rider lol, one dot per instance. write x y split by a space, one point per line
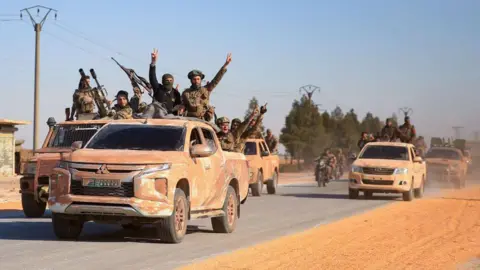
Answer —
330 162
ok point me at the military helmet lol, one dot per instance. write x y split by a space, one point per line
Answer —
194 73
223 120
236 120
122 93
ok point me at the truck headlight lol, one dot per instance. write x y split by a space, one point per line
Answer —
357 169
159 168
31 168
400 171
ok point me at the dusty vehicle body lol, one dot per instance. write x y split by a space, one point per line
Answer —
35 178
446 165
264 166
149 171
388 167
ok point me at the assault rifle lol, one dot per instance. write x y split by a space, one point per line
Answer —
137 81
97 93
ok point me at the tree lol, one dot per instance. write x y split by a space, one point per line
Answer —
253 103
371 124
304 134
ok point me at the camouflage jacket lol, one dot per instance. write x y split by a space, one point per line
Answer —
390 132
227 141
249 133
272 144
122 112
83 101
197 101
408 132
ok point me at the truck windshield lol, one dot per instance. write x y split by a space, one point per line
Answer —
385 152
64 136
250 149
443 153
139 137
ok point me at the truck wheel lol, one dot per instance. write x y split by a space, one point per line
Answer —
353 193
419 191
66 228
272 184
32 208
408 195
228 222
257 186
173 228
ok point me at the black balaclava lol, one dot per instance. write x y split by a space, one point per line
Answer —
168 85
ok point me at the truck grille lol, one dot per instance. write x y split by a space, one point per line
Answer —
126 190
378 182
378 171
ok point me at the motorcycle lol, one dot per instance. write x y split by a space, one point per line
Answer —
321 173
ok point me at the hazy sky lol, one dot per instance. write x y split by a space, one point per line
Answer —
368 55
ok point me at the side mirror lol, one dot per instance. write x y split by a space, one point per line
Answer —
353 156
264 154
418 159
77 145
201 150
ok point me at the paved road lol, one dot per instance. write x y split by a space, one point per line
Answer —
31 244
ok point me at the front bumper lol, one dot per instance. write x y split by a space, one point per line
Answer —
109 206
381 183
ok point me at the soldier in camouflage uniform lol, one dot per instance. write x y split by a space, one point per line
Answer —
408 132
271 142
227 141
251 132
389 131
122 109
83 100
196 99
364 140
136 101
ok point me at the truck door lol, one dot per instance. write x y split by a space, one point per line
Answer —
198 174
214 168
266 160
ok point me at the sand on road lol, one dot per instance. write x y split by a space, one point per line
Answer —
431 233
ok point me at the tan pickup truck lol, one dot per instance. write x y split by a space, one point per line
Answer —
447 165
264 166
59 139
149 171
387 167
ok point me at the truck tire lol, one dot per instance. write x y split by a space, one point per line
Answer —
419 191
353 193
66 228
272 184
32 208
173 228
228 222
257 186
408 195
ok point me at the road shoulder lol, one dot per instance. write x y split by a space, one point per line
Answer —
431 233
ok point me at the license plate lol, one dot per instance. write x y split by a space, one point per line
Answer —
99 183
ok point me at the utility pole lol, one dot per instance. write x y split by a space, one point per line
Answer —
309 89
457 131
37 26
407 111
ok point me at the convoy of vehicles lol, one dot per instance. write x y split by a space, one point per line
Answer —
387 167
264 166
149 171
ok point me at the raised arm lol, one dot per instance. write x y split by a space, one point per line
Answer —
152 74
212 84
244 125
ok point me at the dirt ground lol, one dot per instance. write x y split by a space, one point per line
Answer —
431 233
